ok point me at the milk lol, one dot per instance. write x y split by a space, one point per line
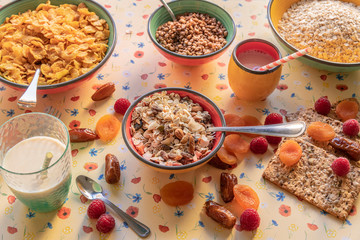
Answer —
38 192
254 59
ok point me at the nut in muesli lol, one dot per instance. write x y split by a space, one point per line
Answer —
166 130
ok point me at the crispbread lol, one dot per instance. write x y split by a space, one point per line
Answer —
309 115
313 180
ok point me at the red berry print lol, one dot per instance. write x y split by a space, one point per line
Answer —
121 105
132 211
351 127
251 34
312 227
205 76
341 87
87 229
221 86
145 16
92 112
105 223
139 54
253 17
136 180
74 124
259 145
140 34
83 199
221 64
144 76
341 166
74 152
74 99
107 6
12 230
157 198
323 77
323 106
163 228
96 209
160 85
12 99
11 199
162 64
282 87
207 179
249 220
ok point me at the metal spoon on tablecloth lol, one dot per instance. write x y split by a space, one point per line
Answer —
92 190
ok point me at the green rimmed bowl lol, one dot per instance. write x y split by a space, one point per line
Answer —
161 16
276 9
22 6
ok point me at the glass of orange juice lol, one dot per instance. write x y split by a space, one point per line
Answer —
247 82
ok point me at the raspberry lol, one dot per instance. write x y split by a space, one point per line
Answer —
121 105
273 140
341 166
273 118
249 220
351 127
96 208
323 106
259 145
105 223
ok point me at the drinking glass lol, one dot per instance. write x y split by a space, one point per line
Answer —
46 189
250 84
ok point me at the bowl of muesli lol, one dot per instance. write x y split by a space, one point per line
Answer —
167 129
203 31
330 28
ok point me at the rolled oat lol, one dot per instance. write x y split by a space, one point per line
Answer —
330 27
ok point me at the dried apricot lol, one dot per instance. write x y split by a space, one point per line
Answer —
320 131
347 109
177 193
245 197
236 145
226 157
107 127
251 121
290 152
233 120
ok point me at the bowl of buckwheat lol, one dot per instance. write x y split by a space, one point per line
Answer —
329 27
166 129
201 33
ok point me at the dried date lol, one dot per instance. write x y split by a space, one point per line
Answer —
220 214
104 91
82 135
348 146
227 183
112 169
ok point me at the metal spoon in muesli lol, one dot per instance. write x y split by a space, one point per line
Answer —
290 129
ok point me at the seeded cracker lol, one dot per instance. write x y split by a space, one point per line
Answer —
313 180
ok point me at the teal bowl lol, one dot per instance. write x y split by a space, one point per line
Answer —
276 9
161 16
22 6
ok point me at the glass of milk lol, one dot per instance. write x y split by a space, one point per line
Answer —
25 140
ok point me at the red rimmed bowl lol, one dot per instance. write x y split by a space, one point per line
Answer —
17 7
208 105
161 16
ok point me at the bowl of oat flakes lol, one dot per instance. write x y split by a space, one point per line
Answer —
166 129
203 31
329 27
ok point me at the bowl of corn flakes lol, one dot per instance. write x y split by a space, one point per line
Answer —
329 28
69 40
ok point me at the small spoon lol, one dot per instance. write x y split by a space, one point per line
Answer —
28 99
291 129
169 10
92 190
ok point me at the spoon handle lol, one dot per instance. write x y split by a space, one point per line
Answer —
28 99
169 10
139 228
291 129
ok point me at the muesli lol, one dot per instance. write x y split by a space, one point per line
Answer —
171 130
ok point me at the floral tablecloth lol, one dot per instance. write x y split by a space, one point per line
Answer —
136 68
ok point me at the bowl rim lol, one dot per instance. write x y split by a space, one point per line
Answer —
174 168
81 77
309 57
187 56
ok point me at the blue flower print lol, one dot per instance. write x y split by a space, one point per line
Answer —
30 214
339 77
280 196
136 198
100 76
221 76
74 112
179 213
93 152
209 197
10 113
274 223
141 45
161 76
